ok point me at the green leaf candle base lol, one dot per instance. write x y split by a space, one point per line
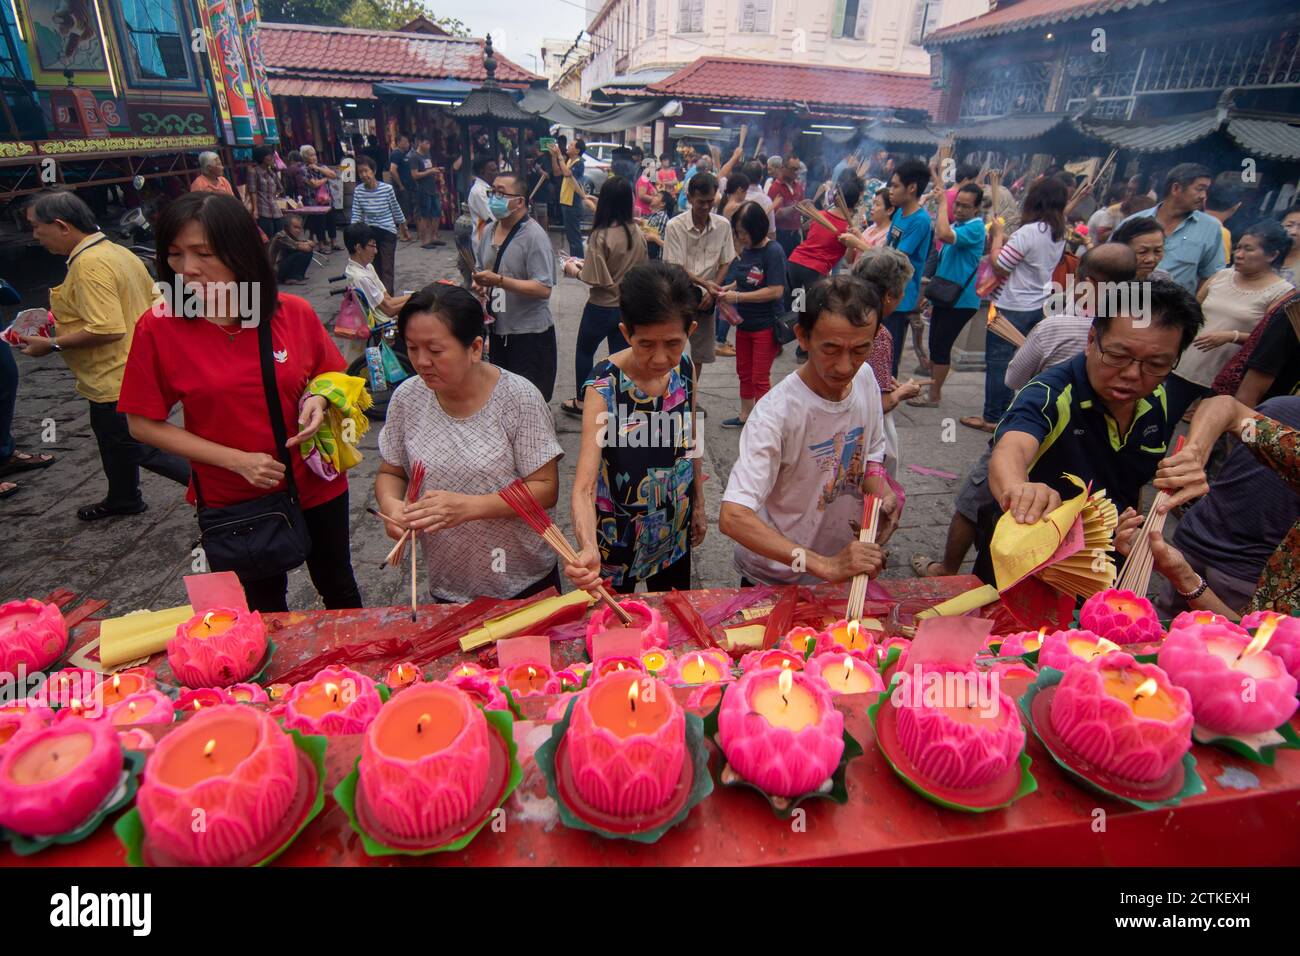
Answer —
346 795
123 794
1261 748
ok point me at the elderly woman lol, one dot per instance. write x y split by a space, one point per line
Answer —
317 179
210 178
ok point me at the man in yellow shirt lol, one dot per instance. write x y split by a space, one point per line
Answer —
106 291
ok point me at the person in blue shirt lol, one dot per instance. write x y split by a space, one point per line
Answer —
1194 248
909 233
959 260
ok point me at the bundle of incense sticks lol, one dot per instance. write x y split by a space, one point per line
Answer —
809 211
466 258
843 207
1004 329
759 148
522 502
1137 569
867 533
744 128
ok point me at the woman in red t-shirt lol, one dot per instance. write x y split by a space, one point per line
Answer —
819 253
209 364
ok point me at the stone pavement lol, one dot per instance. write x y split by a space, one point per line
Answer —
138 562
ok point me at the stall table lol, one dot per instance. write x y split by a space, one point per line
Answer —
1247 816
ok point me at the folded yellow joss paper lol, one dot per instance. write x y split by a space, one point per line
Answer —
139 634
518 622
963 603
1019 549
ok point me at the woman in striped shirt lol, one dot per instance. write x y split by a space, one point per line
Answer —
375 204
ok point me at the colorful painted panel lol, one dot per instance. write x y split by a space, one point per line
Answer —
225 53
66 35
154 36
248 24
171 119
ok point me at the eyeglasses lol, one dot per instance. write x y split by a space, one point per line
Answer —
505 195
1122 360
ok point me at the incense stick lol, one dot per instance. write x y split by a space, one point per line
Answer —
1003 329
1137 569
866 534
809 211
520 499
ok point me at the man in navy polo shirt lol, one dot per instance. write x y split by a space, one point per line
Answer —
1193 238
1101 416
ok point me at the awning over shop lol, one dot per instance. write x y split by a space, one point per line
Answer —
1013 126
1273 139
427 89
320 89
565 112
903 134
1152 135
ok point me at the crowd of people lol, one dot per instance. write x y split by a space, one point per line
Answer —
851 264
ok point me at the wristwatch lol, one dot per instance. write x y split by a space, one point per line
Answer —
1196 592
55 346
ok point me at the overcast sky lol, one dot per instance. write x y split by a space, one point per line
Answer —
518 26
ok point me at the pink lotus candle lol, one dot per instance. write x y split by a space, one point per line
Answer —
846 672
627 744
278 691
33 636
1188 618
1063 649
1022 642
775 658
653 628
336 701
1236 685
403 675
217 648
572 676
22 715
466 669
69 684
797 641
481 689
1126 718
146 707
780 731
1285 642
656 660
956 727
856 635
136 738
53 778
424 762
237 766
192 700
1120 616
247 694
115 688
529 678
706 666
615 665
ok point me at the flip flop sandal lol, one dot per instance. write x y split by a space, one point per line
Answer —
979 424
101 510
21 461
922 403
13 490
571 407
921 564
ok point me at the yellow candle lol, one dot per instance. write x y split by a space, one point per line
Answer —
1144 696
699 670
212 625
845 677
653 660
783 703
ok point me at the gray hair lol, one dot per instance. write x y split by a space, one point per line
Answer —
306 151
66 206
886 268
775 162
207 158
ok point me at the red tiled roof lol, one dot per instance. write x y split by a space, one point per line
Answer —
833 88
380 55
1010 17
321 89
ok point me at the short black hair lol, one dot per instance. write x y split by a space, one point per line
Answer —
1184 174
1272 237
913 172
357 236
1130 229
232 235
851 187
480 163
846 295
1171 306
974 190
452 305
751 219
737 182
655 292
1224 194
967 171
581 144
754 170
367 161
260 153
702 183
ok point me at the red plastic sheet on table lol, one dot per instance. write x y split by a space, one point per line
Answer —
781 619
692 623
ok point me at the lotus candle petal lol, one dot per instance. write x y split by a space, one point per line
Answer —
781 733
796 642
237 766
137 738
653 628
1127 718
1285 642
529 678
855 635
613 665
1232 692
403 675
1120 616
115 688
22 715
217 648
247 694
851 672
146 707
775 658
1188 618
53 778
699 667
192 700
424 761
1022 642
627 744
1063 649
33 636
955 725
481 689
572 676
336 701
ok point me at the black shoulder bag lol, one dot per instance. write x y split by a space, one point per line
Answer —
265 536
945 292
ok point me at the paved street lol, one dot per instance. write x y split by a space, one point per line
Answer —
138 562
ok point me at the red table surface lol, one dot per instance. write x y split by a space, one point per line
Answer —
1247 816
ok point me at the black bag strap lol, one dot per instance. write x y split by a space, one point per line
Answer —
496 266
266 360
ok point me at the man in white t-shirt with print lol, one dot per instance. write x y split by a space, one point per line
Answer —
811 448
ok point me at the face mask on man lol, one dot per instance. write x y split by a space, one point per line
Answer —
499 206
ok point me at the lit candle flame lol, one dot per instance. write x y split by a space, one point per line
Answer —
1104 646
464 671
852 632
1203 617
785 664
532 672
632 694
207 619
699 662
75 705
784 683
620 666
197 704
131 706
419 724
332 692
210 746
848 667
1263 634
1146 689
117 681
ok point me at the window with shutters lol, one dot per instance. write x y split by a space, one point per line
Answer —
690 16
755 16
925 18
650 18
157 34
851 19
